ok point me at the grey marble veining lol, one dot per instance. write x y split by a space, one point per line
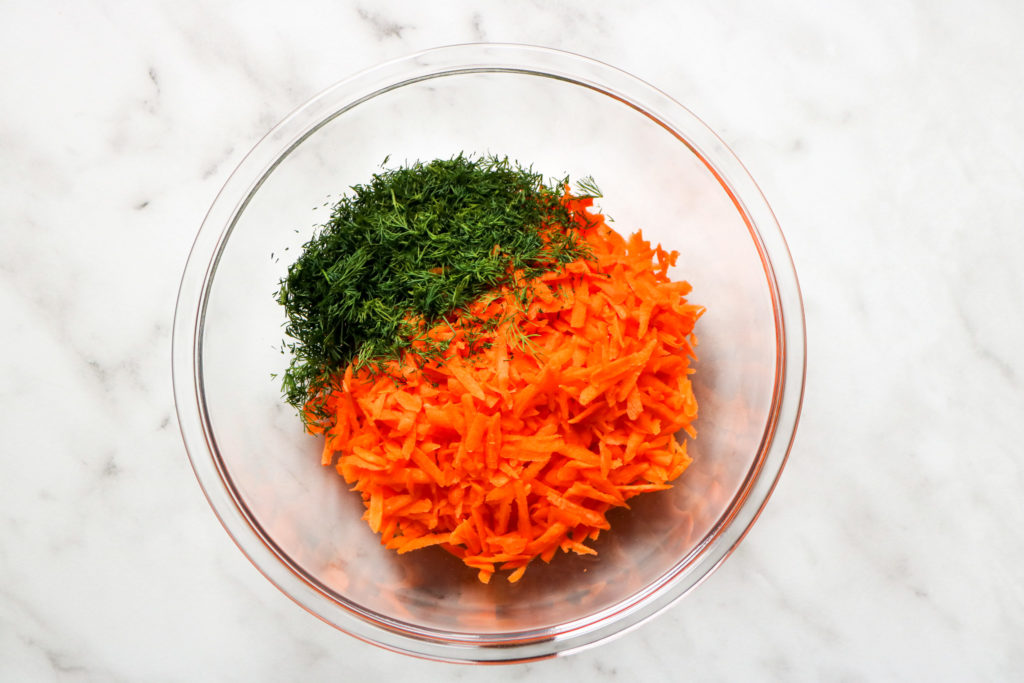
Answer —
886 136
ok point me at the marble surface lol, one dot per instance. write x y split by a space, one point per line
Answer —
886 135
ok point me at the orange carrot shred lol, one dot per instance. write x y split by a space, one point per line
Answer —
515 445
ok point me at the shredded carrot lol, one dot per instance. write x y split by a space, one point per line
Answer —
516 443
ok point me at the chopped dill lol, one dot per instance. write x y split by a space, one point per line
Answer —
413 247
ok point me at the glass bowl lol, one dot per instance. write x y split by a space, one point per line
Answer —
660 169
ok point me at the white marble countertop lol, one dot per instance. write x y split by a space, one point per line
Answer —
888 138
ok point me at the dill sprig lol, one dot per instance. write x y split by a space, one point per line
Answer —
412 247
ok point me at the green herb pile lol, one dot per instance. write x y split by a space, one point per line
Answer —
409 249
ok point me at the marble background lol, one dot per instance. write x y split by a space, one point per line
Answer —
889 138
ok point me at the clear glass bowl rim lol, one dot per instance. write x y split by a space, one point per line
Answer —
565 638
